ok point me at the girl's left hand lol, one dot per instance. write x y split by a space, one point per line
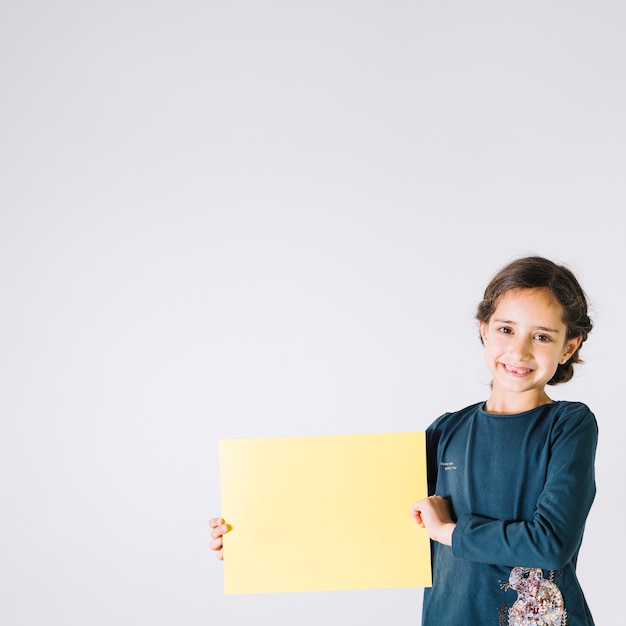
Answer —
433 514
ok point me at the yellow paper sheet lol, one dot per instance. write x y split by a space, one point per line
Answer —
323 512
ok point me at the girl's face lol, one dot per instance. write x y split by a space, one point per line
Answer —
525 341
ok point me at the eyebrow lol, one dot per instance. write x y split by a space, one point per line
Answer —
544 328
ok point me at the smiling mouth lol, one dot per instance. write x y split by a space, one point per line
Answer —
516 371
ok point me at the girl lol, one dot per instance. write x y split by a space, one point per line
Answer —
514 476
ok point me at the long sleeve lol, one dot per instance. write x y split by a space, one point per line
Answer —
551 538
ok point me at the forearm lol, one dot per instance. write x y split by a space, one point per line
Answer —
534 544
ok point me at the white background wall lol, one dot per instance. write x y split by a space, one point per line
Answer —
233 219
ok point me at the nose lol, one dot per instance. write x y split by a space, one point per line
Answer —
520 348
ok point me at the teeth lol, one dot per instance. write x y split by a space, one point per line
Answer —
517 370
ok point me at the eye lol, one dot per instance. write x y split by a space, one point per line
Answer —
543 338
505 330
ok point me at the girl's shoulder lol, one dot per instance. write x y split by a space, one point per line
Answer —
569 406
451 417
571 414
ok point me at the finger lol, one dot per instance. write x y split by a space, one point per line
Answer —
215 522
216 544
219 531
220 555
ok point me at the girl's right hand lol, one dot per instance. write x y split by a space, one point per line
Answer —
219 528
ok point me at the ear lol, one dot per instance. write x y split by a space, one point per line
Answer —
483 331
571 345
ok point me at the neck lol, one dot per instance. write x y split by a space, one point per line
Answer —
515 403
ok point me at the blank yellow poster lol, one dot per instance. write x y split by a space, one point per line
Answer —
323 512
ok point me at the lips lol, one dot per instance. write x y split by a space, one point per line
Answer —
516 371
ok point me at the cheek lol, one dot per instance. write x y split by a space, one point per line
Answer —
550 359
494 343
491 352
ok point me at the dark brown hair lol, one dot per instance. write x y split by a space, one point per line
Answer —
537 272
